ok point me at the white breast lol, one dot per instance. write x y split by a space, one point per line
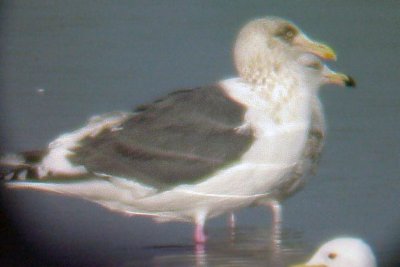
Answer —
277 142
277 147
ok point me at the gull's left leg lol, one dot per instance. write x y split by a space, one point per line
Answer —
276 232
276 208
199 236
232 221
232 225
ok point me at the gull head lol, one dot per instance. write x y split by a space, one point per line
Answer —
270 47
317 73
342 252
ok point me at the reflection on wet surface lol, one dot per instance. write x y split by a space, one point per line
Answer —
241 247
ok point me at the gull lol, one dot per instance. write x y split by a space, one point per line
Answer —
342 252
308 162
197 153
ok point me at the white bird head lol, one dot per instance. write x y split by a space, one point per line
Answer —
318 73
266 47
342 252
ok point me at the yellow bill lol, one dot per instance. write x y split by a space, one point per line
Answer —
319 49
339 79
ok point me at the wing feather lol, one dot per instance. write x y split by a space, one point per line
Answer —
181 138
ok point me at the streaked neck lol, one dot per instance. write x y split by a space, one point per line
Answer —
282 100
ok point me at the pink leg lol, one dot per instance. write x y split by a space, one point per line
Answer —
232 221
276 211
232 225
199 236
276 223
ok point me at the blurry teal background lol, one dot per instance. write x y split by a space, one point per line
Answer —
92 57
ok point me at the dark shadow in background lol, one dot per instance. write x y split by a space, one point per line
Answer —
13 249
10 243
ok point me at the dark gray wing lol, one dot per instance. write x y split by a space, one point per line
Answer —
179 139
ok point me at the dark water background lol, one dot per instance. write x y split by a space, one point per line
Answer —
92 57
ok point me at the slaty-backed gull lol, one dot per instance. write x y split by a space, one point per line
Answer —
198 153
308 162
342 252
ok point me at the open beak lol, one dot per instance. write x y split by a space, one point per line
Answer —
339 79
321 50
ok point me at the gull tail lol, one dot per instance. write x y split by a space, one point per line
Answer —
20 166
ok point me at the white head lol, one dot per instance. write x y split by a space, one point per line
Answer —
317 73
270 47
342 252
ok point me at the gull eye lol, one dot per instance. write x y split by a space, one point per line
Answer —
315 65
287 33
332 255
